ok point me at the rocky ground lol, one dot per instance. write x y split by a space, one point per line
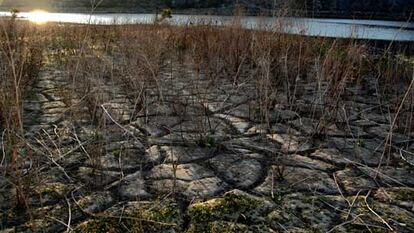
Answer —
196 158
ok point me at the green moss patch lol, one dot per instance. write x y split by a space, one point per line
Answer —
163 217
137 217
56 190
235 206
393 195
99 226
221 227
380 217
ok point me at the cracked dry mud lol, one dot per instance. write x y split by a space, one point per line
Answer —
200 159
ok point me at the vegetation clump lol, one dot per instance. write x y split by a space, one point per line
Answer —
398 194
163 217
137 217
99 226
235 206
381 217
166 13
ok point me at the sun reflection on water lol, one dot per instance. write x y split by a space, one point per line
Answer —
38 16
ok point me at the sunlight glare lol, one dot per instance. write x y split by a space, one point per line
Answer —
38 16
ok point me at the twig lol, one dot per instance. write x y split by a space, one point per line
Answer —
351 205
2 148
53 142
70 215
376 171
345 223
339 189
404 158
59 221
389 136
81 145
375 213
50 156
120 126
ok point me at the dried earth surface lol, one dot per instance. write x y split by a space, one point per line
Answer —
203 158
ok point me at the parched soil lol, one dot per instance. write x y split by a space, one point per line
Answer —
197 156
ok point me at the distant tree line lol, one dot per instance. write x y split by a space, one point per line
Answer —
334 5
345 7
341 7
359 5
195 3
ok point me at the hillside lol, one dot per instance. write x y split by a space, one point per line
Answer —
84 5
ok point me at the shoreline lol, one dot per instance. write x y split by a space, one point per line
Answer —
364 30
229 11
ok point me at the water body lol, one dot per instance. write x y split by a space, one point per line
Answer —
336 28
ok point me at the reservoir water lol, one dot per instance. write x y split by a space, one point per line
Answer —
337 28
